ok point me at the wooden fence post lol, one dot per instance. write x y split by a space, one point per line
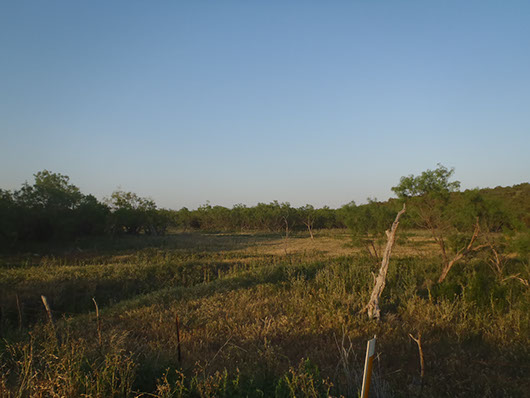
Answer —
98 320
19 313
177 325
48 309
368 363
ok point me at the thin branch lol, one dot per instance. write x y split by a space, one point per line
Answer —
420 350
462 253
517 277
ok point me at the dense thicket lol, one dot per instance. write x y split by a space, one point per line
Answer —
53 208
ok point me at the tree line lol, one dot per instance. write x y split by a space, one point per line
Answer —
52 208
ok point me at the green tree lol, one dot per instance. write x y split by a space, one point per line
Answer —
50 190
8 218
47 208
472 210
367 224
429 196
51 207
308 216
90 216
241 217
326 218
431 183
131 213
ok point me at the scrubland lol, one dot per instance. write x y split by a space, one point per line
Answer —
259 315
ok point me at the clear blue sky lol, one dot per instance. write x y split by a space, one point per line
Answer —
248 101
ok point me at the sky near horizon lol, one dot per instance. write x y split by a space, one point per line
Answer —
247 101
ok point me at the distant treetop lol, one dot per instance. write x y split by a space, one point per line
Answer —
429 182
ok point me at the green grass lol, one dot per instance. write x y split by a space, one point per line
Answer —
256 321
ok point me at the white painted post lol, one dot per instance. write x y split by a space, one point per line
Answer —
367 378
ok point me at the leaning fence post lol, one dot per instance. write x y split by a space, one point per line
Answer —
50 317
19 313
48 309
368 362
97 320
177 326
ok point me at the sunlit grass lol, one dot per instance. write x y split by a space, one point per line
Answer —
259 315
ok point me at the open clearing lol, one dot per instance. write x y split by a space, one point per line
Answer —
258 315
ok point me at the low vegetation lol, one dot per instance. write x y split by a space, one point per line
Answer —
184 312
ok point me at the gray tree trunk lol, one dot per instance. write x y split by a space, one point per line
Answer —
380 281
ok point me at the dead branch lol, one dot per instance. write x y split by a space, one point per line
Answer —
497 261
346 354
518 278
373 256
420 350
462 253
380 281
219 351
375 250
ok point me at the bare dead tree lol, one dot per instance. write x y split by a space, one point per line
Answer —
373 305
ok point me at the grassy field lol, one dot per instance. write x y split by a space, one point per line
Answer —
259 315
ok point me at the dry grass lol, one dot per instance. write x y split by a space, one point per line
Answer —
261 313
